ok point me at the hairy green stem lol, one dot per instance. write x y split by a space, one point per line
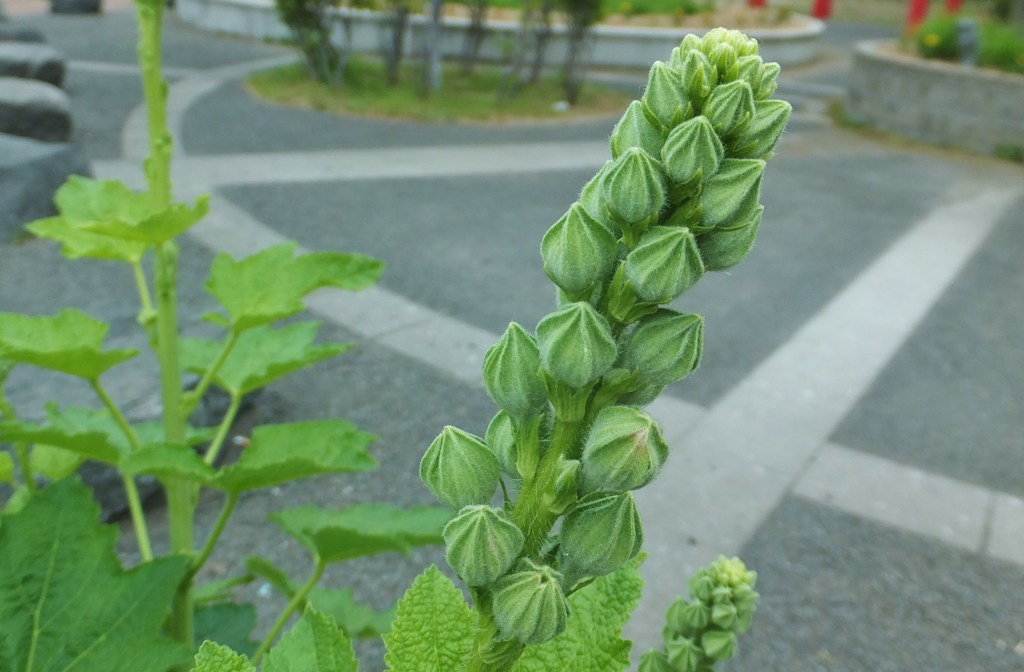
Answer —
222 430
193 398
147 315
218 529
130 491
298 599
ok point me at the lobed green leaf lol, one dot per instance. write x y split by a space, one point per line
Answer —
433 628
70 342
65 603
315 643
357 620
216 658
228 624
592 642
78 243
273 574
260 355
270 285
168 461
364 529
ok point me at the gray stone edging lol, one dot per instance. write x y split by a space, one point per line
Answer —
936 102
611 46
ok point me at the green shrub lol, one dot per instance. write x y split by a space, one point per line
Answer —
936 38
1002 47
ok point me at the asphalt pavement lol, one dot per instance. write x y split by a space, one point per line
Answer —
855 431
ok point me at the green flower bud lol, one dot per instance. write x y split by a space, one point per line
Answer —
724 249
511 369
600 533
642 396
529 604
692 151
698 76
664 347
566 489
577 252
730 108
655 661
769 81
576 345
664 265
634 188
764 130
481 544
730 197
691 42
664 100
500 438
634 130
684 654
701 586
688 617
624 450
751 70
724 615
741 44
731 573
718 645
459 469
723 58
592 199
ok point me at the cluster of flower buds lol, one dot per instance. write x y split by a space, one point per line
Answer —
702 631
571 441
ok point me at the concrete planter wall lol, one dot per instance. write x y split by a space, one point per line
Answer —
936 102
611 46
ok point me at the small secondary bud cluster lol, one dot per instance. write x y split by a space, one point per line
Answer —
702 631
571 441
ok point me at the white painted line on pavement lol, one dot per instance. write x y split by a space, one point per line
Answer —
898 495
1007 539
747 451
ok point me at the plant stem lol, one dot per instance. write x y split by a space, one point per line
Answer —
296 600
218 528
130 491
222 431
146 313
193 398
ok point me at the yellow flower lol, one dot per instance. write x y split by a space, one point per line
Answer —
931 40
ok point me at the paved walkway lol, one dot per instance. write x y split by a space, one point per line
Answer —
855 430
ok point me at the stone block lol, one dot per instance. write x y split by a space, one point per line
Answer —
30 60
13 33
34 110
30 173
75 6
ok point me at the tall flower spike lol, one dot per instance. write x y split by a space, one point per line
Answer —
512 374
459 469
576 345
578 252
481 544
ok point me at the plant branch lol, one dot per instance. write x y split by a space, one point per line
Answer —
222 430
297 599
218 528
116 413
192 399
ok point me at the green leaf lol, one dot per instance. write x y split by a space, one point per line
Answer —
216 658
168 460
228 624
433 629
273 574
55 463
270 285
70 342
65 603
364 529
591 642
355 619
315 643
6 468
78 243
260 356
280 453
219 590
111 208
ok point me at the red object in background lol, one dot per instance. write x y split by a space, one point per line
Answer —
953 5
822 9
916 11
756 3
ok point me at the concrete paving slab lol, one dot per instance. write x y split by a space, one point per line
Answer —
952 399
843 594
1006 538
906 498
100 105
211 127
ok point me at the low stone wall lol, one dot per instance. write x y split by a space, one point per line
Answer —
936 102
611 46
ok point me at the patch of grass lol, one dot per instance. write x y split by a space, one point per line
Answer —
462 98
